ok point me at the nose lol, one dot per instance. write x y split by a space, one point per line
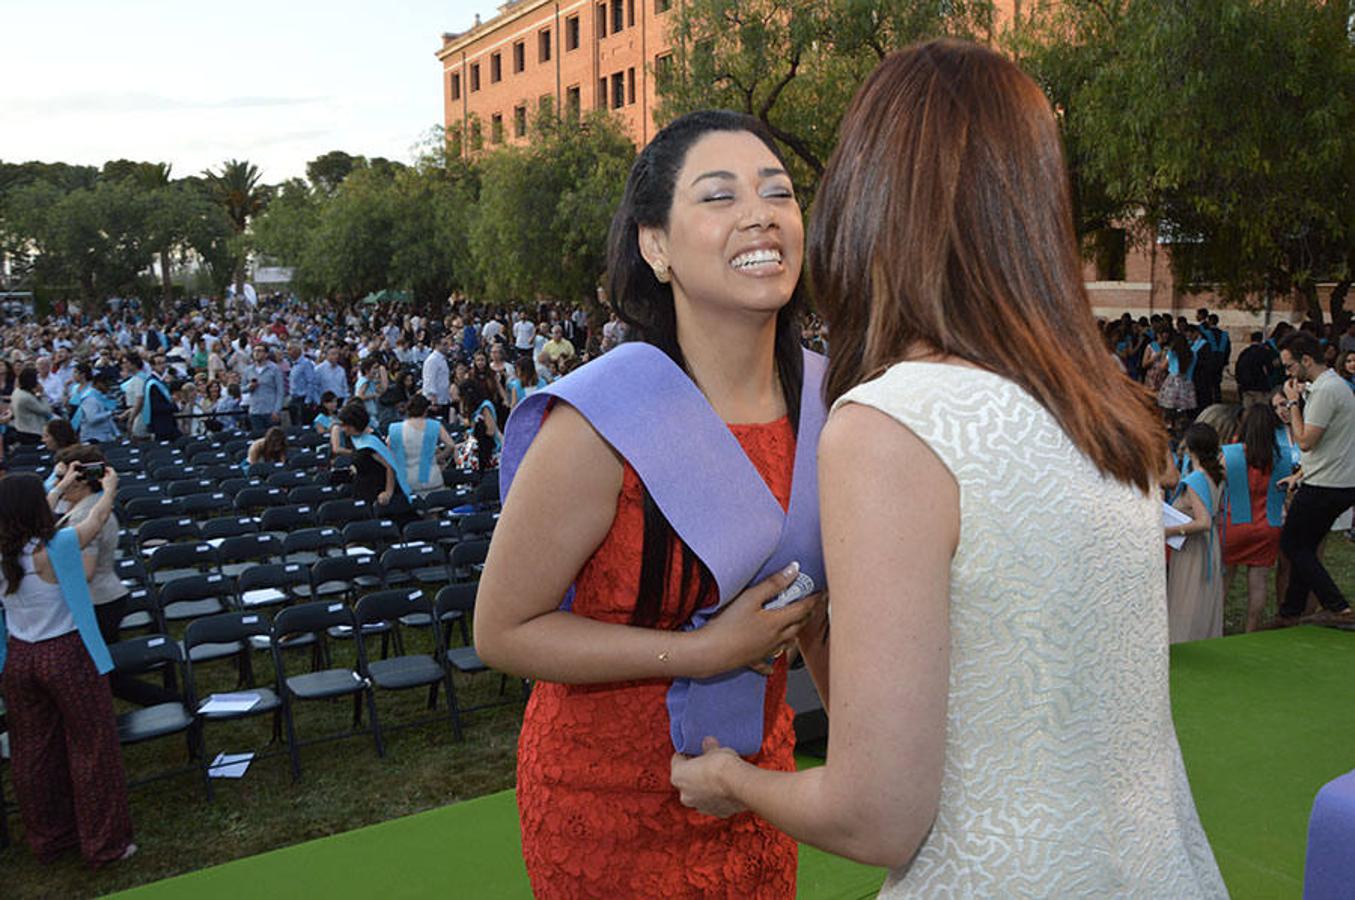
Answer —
758 213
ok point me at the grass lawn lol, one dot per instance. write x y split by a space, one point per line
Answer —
344 784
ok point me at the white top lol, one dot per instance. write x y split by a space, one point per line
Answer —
437 382
37 611
1062 775
412 436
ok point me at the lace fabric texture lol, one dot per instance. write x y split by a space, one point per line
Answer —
599 817
1063 776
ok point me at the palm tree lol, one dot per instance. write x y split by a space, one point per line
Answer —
236 187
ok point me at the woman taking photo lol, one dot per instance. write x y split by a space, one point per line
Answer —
68 774
271 448
703 263
999 716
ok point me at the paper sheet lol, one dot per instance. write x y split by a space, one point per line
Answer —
229 703
230 765
1172 517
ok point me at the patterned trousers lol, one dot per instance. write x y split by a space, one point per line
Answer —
67 765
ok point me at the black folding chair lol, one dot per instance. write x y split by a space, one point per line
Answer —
283 519
421 564
166 530
373 535
233 628
207 503
144 654
222 527
317 619
310 544
173 561
340 512
467 559
273 584
253 499
458 600
236 554
408 670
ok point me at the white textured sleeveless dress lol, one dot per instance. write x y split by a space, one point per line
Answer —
1063 776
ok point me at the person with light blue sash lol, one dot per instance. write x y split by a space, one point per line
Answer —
95 418
370 385
420 447
1257 470
67 764
643 493
376 476
1194 575
1177 394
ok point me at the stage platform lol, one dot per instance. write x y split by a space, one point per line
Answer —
1264 721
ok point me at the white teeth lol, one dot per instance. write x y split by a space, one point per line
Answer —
755 258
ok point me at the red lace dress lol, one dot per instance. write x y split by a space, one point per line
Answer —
599 816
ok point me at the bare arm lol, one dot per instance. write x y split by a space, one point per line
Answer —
336 447
1200 521
559 511
891 521
90 526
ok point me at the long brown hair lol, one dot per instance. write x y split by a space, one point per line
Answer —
943 225
24 515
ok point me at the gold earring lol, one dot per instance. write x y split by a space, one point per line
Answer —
661 273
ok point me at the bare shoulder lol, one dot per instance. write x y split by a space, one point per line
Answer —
568 446
862 434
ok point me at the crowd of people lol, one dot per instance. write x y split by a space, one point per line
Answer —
280 362
1264 476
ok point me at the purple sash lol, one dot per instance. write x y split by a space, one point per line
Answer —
650 412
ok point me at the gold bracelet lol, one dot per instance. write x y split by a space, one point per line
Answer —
663 656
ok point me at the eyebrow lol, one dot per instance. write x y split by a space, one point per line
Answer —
766 172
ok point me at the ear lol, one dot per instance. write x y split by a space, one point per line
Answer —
653 245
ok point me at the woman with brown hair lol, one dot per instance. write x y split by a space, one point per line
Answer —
999 714
271 448
1195 573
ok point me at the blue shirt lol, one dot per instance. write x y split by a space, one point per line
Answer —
331 377
303 381
265 398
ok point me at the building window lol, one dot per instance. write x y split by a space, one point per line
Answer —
573 102
618 90
618 15
543 45
519 57
495 68
496 128
630 85
662 6
474 77
630 13
477 138
602 20
545 105
454 148
572 33
602 93
519 121
456 85
663 71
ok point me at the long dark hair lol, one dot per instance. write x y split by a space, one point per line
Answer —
24 515
646 306
1258 427
1203 442
1180 348
944 222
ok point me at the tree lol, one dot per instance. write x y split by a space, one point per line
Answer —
794 64
541 222
1225 125
238 189
327 171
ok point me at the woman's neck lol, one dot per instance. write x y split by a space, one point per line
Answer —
732 358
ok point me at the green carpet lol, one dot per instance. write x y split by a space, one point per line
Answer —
1264 721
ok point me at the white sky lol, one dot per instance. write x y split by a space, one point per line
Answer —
193 83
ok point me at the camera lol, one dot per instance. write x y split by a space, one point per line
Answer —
92 473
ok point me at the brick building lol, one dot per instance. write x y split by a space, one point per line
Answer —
573 55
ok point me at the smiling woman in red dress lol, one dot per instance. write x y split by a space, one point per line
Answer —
704 264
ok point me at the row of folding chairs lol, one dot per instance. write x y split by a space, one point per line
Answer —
307 625
187 581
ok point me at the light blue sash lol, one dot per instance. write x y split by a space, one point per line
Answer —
696 471
108 403
1198 482
152 382
373 443
63 551
427 452
493 414
78 397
